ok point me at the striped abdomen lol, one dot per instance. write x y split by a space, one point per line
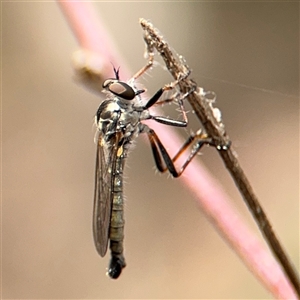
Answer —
116 233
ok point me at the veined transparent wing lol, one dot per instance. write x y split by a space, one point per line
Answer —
105 168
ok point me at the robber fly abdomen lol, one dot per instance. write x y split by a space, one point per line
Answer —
116 232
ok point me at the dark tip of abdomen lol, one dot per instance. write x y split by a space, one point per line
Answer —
115 267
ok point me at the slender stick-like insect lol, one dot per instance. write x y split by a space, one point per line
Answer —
118 122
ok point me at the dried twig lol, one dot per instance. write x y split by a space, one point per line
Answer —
215 129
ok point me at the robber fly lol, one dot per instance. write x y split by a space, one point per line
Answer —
118 120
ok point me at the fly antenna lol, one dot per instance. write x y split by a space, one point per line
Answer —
116 71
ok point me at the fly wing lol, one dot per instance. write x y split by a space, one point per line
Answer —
105 164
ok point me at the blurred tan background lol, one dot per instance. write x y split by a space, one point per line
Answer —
248 53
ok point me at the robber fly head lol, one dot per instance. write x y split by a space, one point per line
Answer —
120 88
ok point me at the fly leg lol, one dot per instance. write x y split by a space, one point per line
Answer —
149 53
175 98
162 158
166 120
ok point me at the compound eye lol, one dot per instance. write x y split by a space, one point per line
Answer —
121 89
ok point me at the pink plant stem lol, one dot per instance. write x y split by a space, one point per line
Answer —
212 199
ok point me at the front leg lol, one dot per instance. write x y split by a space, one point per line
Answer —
166 120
